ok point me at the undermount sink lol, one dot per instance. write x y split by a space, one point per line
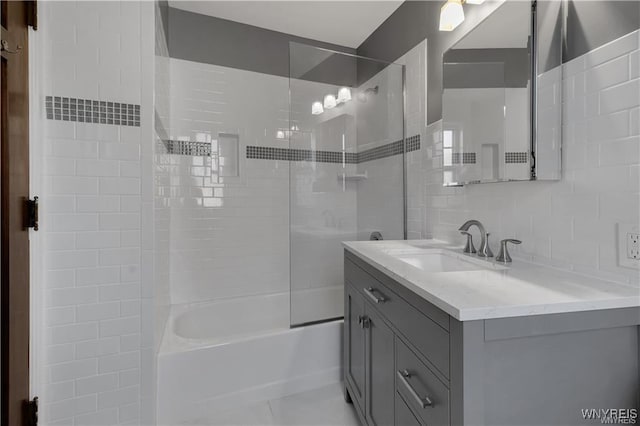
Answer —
437 260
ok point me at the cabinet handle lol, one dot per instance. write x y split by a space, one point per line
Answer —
404 377
364 321
377 299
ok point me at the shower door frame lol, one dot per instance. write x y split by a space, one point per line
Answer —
404 160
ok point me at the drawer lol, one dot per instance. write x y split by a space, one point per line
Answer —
403 415
426 335
423 392
434 313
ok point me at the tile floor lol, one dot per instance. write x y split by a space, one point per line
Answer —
319 407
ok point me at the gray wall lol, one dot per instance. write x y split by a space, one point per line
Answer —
475 68
590 24
217 41
320 65
411 23
211 40
164 17
162 20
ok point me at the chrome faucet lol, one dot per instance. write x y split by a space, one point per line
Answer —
484 250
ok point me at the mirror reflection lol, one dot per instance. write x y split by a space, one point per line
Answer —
487 102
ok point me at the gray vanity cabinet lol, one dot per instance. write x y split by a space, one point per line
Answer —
380 369
368 360
354 351
408 362
403 415
374 318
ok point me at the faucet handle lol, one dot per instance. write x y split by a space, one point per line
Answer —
468 248
503 255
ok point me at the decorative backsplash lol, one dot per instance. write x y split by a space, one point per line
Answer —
463 158
291 154
413 143
470 157
198 149
92 111
516 157
179 147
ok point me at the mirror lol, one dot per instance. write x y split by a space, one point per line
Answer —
501 117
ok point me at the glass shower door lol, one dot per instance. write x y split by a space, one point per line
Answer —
346 169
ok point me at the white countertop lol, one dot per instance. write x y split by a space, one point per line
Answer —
520 289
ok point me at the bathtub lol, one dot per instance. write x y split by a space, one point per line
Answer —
229 353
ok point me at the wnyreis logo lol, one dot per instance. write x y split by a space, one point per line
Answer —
620 416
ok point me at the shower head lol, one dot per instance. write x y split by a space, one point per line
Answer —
373 90
363 96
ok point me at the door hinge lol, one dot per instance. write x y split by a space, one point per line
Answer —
32 213
32 14
32 412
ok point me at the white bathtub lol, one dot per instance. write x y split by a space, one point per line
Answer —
229 353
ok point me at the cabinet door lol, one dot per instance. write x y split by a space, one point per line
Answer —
380 368
354 345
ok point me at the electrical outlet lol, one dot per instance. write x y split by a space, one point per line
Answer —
629 245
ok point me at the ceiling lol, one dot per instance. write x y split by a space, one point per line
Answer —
345 23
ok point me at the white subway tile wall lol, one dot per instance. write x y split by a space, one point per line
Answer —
154 237
322 203
91 212
571 223
415 62
221 224
229 235
379 121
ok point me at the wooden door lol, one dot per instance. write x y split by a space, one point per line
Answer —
14 194
380 370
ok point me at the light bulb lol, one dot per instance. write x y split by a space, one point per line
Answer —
344 95
316 108
451 15
329 101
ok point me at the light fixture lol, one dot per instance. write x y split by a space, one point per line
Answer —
316 108
475 1
329 101
344 95
451 15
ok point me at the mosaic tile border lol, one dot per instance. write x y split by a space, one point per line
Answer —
92 111
463 158
290 154
198 149
413 143
287 154
516 157
383 151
